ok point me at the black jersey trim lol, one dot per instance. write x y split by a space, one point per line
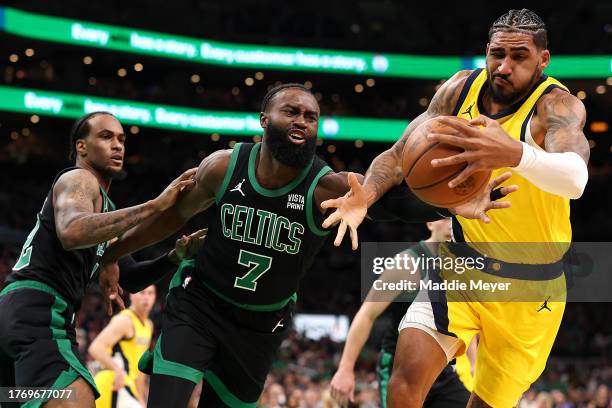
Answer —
229 172
279 191
466 88
309 200
510 109
107 201
548 89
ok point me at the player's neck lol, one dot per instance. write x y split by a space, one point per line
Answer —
271 173
142 316
104 181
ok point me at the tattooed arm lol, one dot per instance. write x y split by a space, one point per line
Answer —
386 169
78 224
208 180
564 117
561 168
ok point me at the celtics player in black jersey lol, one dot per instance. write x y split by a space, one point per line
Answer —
224 323
451 388
59 258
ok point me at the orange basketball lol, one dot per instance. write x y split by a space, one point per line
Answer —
429 183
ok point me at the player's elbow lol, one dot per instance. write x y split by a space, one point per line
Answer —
578 182
73 238
68 239
576 191
92 350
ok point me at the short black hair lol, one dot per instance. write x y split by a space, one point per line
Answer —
522 21
268 96
80 130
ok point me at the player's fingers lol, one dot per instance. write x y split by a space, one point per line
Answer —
333 219
119 301
109 306
484 217
188 174
499 179
461 126
449 139
185 184
333 203
353 182
340 235
354 238
508 189
467 172
450 160
119 290
481 120
200 233
496 205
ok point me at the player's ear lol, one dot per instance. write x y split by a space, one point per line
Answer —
544 59
81 147
263 120
487 49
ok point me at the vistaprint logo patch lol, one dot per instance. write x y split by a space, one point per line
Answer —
295 201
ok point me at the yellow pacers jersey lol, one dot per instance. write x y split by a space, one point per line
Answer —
535 215
130 350
125 353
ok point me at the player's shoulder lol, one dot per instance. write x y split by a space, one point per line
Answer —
77 179
122 321
559 101
333 181
448 94
459 78
214 165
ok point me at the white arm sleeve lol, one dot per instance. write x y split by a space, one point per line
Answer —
563 174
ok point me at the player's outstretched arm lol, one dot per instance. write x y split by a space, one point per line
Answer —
385 171
79 226
343 382
208 179
135 276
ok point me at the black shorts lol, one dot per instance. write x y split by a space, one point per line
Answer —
205 337
38 345
446 392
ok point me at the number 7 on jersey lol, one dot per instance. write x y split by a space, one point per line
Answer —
259 265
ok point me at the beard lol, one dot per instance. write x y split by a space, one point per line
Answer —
509 98
289 154
112 174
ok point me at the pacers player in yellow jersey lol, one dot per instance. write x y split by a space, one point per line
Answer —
524 122
127 337
118 348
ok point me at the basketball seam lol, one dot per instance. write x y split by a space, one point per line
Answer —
461 201
419 158
441 180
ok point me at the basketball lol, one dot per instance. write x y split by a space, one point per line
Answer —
429 183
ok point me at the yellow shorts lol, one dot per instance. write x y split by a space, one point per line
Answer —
516 337
127 397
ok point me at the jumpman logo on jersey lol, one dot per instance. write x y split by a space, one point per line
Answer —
238 188
545 305
469 111
279 324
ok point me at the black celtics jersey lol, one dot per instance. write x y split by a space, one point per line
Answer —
44 259
261 241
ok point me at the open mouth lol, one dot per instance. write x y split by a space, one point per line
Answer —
116 159
297 136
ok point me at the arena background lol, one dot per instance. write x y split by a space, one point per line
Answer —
34 143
